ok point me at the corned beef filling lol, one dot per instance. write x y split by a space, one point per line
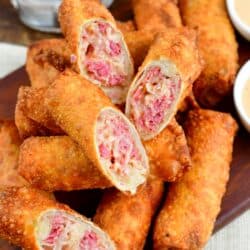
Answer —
119 151
152 99
59 230
104 59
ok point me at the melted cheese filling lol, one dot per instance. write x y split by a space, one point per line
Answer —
58 230
120 150
153 98
104 59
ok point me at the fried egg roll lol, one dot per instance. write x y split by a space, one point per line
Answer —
163 81
46 59
155 15
101 53
26 126
217 45
9 151
32 102
106 136
127 219
168 153
57 163
187 218
32 220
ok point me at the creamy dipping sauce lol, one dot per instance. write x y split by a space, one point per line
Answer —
246 98
242 8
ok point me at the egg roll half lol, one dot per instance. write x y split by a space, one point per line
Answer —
127 219
155 15
187 218
34 221
106 136
101 53
46 59
217 45
163 81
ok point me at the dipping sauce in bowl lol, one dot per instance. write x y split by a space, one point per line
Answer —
242 8
241 94
246 97
238 11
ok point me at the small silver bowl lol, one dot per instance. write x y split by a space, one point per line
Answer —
41 14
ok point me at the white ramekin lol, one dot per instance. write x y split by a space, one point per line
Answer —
242 27
240 81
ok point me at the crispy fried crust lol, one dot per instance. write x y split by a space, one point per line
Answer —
217 45
26 126
57 163
46 59
73 13
32 102
127 26
188 215
168 153
127 218
177 45
75 104
155 15
9 151
19 211
139 42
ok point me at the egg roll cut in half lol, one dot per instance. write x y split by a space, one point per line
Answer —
46 59
187 218
34 221
217 45
9 151
168 153
32 103
106 136
101 53
163 81
57 163
127 219
155 15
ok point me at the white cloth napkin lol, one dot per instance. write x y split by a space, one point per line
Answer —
235 236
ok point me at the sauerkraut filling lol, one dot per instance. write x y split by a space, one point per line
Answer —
153 98
120 150
104 59
58 230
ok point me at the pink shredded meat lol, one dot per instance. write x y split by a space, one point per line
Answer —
115 48
57 227
89 241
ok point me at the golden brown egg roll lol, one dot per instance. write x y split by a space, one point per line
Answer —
127 26
155 15
57 163
187 218
217 45
106 136
9 151
163 81
98 46
34 221
127 219
168 153
26 126
46 59
32 102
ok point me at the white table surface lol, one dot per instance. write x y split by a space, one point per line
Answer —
235 236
